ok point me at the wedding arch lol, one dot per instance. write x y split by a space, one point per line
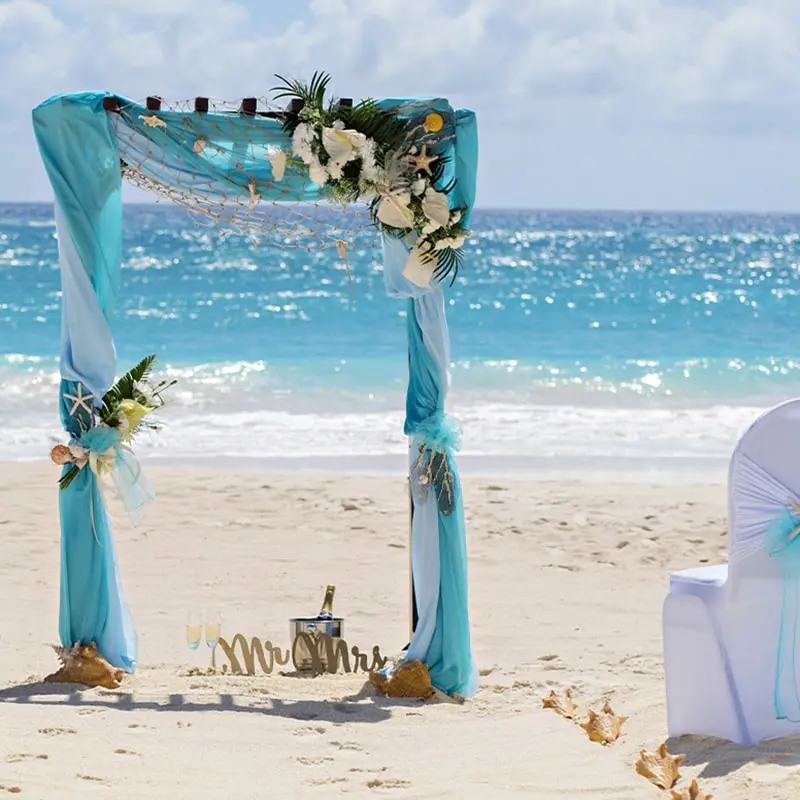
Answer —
258 169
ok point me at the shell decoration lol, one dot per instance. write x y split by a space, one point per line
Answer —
83 664
61 455
604 727
660 768
408 679
561 704
692 793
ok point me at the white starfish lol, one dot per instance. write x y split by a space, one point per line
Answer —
79 400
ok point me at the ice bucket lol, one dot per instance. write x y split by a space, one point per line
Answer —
314 627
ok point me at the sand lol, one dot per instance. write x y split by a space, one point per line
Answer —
567 582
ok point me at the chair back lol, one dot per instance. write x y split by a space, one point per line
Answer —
764 476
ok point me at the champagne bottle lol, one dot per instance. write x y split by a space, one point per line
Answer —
326 612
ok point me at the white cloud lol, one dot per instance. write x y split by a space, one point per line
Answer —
522 64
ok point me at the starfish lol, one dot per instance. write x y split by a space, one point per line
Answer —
422 162
79 400
152 121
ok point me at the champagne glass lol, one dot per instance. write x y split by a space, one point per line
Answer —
194 629
213 632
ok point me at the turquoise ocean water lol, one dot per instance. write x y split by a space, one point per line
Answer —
600 336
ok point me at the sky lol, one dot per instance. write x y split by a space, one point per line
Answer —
581 104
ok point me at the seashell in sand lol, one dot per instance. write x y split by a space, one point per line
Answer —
660 767
84 664
61 455
692 793
408 679
605 726
562 705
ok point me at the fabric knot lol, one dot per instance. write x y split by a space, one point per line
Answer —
439 432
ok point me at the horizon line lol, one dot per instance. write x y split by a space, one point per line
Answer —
499 209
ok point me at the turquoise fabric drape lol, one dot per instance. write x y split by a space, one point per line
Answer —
783 545
224 155
441 639
81 157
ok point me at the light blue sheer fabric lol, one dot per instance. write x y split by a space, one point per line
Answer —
82 147
765 527
783 543
80 154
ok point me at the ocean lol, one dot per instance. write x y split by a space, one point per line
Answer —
580 340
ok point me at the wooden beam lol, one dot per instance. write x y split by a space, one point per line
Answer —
296 106
111 104
249 106
201 105
345 102
153 103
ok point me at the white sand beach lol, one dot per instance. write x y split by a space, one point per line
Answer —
566 586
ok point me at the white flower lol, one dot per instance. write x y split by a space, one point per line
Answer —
78 452
342 145
370 172
146 390
318 173
419 268
436 207
453 241
455 216
277 161
430 226
393 211
418 187
301 142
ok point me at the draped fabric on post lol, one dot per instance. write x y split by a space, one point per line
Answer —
768 519
81 157
441 639
82 147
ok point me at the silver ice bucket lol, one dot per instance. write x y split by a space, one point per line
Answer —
314 628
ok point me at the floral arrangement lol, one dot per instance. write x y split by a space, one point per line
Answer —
124 413
371 154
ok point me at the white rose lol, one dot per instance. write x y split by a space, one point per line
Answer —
454 241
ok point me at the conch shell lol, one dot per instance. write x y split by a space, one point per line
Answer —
562 705
692 793
408 679
84 664
61 455
605 726
660 767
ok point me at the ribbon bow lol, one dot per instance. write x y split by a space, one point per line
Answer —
437 437
102 449
783 545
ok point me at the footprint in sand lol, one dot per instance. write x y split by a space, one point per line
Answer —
325 781
10 789
313 762
368 769
387 783
15 758
122 752
356 748
57 731
90 778
310 730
